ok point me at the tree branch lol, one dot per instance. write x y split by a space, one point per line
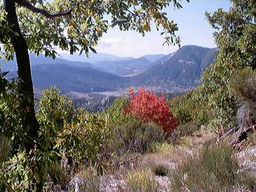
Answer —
34 9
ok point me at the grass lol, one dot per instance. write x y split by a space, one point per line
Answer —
92 180
213 169
142 181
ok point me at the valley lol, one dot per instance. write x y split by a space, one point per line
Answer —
107 76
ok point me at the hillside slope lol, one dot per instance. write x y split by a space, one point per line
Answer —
127 67
182 68
74 78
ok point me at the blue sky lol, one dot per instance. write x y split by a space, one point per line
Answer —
193 30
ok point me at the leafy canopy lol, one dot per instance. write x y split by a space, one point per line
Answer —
235 37
77 25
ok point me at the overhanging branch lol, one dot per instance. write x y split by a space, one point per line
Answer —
34 9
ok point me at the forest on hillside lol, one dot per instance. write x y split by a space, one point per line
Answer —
144 142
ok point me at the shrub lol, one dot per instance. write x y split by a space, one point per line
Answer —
142 181
55 109
116 112
147 106
68 137
160 170
5 148
214 90
191 113
136 136
188 108
15 174
184 130
242 85
85 139
214 169
11 115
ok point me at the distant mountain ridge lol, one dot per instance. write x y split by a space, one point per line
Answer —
75 78
93 57
176 72
183 68
41 60
129 67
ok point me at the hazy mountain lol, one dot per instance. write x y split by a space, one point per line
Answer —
74 78
182 68
153 58
93 57
128 67
175 72
38 60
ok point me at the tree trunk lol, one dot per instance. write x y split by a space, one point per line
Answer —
29 122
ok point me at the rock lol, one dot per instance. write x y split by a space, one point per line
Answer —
164 183
75 184
112 183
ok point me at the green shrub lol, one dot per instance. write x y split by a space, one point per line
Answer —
214 169
11 115
16 174
5 148
116 112
191 113
214 91
136 136
185 130
84 139
142 181
55 109
243 86
188 108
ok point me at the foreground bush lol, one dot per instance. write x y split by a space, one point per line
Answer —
55 109
15 174
188 108
214 169
68 139
73 135
116 112
85 139
147 107
136 136
11 115
190 112
243 86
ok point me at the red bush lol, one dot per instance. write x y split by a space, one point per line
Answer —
147 106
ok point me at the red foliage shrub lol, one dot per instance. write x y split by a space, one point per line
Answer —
148 107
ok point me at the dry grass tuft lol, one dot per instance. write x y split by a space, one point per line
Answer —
142 181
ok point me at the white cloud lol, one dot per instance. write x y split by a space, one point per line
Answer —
115 40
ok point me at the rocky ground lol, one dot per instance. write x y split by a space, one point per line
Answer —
169 157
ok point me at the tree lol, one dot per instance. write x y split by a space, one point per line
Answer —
235 37
40 26
148 107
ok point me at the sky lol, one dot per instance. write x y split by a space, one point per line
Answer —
193 30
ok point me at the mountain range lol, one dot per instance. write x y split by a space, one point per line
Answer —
182 68
175 72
